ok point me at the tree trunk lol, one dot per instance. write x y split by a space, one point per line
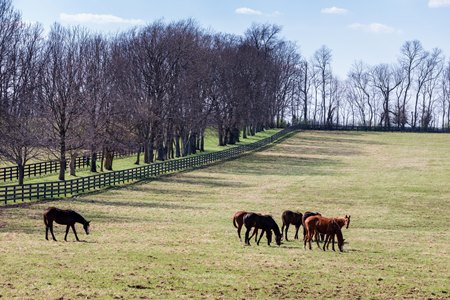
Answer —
21 169
186 145
93 161
72 165
177 145
221 136
160 150
192 142
138 157
150 147
202 142
109 156
62 158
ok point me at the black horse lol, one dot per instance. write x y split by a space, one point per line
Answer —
63 217
289 217
265 223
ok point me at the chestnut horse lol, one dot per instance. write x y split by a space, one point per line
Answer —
341 221
264 222
329 226
63 217
238 222
289 217
306 215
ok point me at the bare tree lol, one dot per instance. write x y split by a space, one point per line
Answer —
322 67
360 92
19 68
384 78
412 55
425 74
60 95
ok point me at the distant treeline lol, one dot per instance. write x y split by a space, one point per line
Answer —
156 88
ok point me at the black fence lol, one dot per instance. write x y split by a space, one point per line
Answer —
47 190
371 128
48 167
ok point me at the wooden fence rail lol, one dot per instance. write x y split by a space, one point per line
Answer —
48 167
47 190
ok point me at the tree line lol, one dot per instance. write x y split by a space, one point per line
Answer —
157 88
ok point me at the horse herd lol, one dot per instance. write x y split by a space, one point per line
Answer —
314 225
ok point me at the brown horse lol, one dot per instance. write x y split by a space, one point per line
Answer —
306 215
341 221
289 217
63 217
238 222
264 222
318 224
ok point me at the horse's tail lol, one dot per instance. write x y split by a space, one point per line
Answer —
234 221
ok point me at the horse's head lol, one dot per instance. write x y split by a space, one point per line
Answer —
278 239
347 220
86 227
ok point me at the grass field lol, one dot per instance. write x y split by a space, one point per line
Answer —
128 162
173 238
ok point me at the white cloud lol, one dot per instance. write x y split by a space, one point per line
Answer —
97 19
438 3
334 11
248 11
373 28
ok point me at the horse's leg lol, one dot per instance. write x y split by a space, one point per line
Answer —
73 228
317 239
255 233
46 228
304 239
247 240
287 228
332 245
67 231
262 233
304 232
310 235
297 227
51 230
239 231
326 242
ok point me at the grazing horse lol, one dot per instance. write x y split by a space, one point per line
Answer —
63 217
341 221
306 215
318 224
266 224
238 222
289 217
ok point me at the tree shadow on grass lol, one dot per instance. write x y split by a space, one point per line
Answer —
338 140
142 204
273 164
207 182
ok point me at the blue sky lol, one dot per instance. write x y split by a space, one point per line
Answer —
368 30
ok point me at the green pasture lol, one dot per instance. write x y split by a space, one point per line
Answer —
122 163
173 238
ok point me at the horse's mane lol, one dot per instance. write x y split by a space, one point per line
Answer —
78 216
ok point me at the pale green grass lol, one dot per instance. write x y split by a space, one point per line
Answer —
122 163
173 238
